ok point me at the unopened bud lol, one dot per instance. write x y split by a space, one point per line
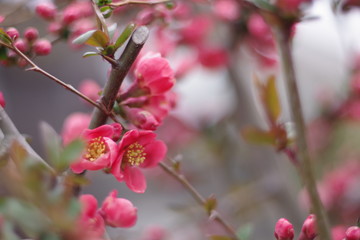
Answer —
2 100
353 233
284 230
21 45
42 47
12 32
46 10
31 34
308 230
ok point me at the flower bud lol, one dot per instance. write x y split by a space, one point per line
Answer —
118 212
31 34
308 230
284 230
21 45
46 10
353 233
12 32
42 47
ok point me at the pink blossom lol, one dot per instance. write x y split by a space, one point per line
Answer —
284 230
353 233
2 100
195 31
154 74
118 212
308 230
160 105
213 57
137 149
46 10
154 233
12 32
338 232
2 18
42 47
101 151
22 45
227 9
90 221
90 88
31 34
74 125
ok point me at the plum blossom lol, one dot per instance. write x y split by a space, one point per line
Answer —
101 151
137 149
118 212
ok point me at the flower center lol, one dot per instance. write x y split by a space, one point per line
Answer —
135 154
95 149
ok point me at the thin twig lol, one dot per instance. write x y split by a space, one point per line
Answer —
128 2
198 197
282 33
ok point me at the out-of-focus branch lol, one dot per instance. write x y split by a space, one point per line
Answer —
199 198
128 2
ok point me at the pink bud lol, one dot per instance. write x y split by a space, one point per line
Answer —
284 230
141 118
118 212
46 10
31 34
70 15
2 100
308 230
353 233
21 45
42 47
257 26
13 32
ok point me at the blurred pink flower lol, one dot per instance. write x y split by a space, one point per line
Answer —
353 233
227 9
90 88
74 125
2 100
91 222
137 149
118 212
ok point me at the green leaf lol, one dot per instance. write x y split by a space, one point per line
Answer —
210 204
71 152
264 4
89 54
98 39
257 136
83 37
3 53
217 237
52 143
106 11
8 232
4 37
272 99
125 35
245 231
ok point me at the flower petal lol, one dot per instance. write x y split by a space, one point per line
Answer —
155 152
135 179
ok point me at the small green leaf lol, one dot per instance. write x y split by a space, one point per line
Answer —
170 5
71 152
4 37
272 99
106 11
3 53
125 35
245 231
98 39
83 37
210 204
89 54
217 237
51 141
257 136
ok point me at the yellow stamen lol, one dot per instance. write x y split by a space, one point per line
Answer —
135 154
95 149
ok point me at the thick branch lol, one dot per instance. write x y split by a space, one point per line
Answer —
198 197
118 73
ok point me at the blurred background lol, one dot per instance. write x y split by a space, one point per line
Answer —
217 97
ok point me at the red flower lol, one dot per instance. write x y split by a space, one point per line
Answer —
118 212
137 149
284 230
91 222
101 151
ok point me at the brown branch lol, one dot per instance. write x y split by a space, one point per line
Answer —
128 2
198 197
282 33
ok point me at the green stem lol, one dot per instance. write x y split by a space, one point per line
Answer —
282 33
